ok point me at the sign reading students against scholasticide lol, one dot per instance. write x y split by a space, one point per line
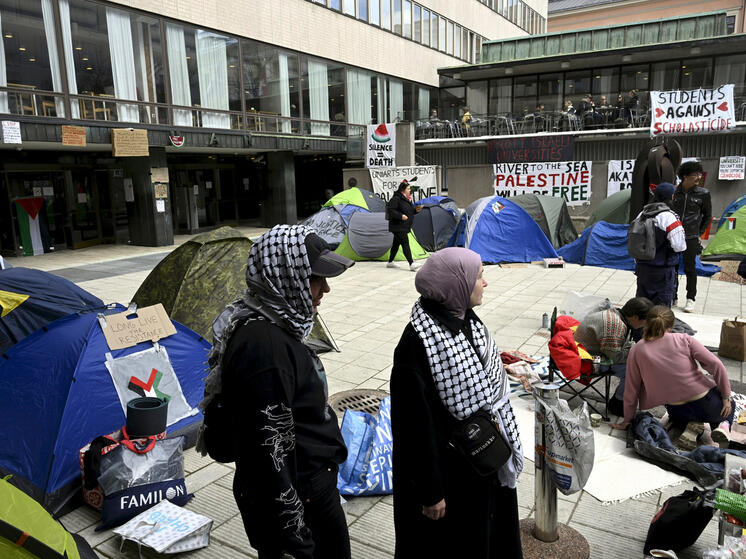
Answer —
386 181
620 175
381 146
692 112
570 180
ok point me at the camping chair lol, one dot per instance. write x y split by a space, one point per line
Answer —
599 379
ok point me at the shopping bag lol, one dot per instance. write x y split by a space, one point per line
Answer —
167 528
367 470
679 522
733 340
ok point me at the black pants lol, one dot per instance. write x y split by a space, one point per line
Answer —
401 240
706 409
657 283
690 268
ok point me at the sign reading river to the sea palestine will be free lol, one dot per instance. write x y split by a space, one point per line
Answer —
381 146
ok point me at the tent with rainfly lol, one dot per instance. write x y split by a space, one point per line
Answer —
501 231
730 240
551 214
368 238
358 197
58 376
435 223
331 222
732 208
614 209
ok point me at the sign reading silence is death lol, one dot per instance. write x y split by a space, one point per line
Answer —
692 112
570 180
381 146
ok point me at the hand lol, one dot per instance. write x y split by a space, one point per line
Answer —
418 208
725 412
436 511
404 218
621 426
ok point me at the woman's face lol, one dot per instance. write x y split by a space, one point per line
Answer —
319 286
478 291
407 191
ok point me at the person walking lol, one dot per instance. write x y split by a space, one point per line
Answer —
446 368
656 278
693 205
288 443
401 214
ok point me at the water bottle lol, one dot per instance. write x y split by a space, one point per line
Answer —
545 321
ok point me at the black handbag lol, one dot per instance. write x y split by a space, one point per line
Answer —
479 441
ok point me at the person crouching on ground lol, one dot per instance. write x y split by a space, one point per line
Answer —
401 214
288 442
446 368
656 278
662 369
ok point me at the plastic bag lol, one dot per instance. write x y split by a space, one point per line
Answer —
679 522
570 447
578 305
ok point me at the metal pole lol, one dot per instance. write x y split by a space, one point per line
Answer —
544 488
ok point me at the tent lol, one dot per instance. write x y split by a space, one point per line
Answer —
734 206
501 231
197 280
552 215
331 222
30 299
605 245
614 209
45 537
358 197
434 224
730 240
58 396
368 238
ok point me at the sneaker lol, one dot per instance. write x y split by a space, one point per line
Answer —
688 439
414 266
689 305
392 265
721 435
675 303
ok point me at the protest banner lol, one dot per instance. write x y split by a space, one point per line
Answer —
731 168
531 149
386 181
570 180
692 112
619 175
381 146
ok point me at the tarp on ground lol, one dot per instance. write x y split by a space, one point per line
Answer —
435 223
30 299
358 197
501 231
331 222
614 209
605 245
551 214
368 238
730 240
734 206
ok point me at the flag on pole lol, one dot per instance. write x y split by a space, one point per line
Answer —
33 226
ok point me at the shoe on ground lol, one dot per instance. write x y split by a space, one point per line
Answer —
414 266
688 439
392 265
721 434
675 303
689 305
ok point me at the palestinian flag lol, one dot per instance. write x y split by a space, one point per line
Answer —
33 226
381 134
730 223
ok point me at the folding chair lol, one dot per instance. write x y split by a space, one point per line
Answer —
599 378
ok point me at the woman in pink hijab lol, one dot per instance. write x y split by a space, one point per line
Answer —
446 368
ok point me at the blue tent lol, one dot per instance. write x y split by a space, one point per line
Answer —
605 245
58 396
501 231
735 205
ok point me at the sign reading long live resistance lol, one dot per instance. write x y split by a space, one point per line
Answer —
570 180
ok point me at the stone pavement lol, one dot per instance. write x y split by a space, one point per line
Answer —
366 312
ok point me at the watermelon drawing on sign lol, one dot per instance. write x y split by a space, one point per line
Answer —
381 134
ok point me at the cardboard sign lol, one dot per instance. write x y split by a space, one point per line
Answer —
731 168
570 180
129 329
619 175
531 149
387 181
73 136
128 142
12 132
381 146
692 112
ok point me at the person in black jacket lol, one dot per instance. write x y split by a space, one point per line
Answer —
693 206
401 214
288 443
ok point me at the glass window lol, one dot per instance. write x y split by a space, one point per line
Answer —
417 24
396 100
550 92
397 17
386 14
500 100
375 11
335 4
605 86
434 25
348 7
457 41
634 77
449 40
476 97
524 95
407 18
577 84
665 75
362 9
452 101
442 34
732 69
425 26
322 87
730 25
409 101
423 103
696 73
466 42
359 96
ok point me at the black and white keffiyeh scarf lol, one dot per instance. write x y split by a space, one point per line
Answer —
471 378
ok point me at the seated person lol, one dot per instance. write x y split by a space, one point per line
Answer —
466 120
662 369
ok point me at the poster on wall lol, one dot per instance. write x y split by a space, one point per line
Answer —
695 111
381 146
570 180
531 149
386 181
731 168
12 132
619 175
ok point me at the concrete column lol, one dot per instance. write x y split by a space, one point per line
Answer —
278 203
405 144
148 226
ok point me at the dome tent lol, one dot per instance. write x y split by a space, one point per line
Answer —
551 214
729 243
368 238
435 223
358 197
734 206
331 222
614 209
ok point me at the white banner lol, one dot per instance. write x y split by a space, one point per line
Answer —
570 180
692 112
731 168
619 175
387 181
381 146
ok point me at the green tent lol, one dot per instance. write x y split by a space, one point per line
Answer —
615 209
730 240
45 537
368 238
197 280
551 214
358 197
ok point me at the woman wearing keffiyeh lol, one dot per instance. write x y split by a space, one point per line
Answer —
286 437
446 368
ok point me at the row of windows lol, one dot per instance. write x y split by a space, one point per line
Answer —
182 75
519 13
412 21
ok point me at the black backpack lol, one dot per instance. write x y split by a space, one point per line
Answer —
641 243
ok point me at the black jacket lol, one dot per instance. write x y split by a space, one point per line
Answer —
399 206
694 209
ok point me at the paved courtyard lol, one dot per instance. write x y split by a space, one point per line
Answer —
366 312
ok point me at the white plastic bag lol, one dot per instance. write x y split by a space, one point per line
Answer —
579 305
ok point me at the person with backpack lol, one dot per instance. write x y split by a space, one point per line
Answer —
655 239
400 213
692 204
